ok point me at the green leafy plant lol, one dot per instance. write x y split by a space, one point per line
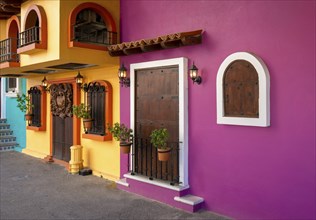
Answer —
159 137
120 132
24 103
81 111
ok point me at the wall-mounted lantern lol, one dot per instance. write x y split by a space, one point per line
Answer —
194 75
79 79
44 83
122 74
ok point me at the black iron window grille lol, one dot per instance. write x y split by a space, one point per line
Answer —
35 96
96 93
145 161
8 50
29 36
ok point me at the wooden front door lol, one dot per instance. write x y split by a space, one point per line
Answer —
157 106
61 108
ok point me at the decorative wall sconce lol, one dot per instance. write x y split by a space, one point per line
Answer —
45 85
194 75
86 86
79 79
122 74
44 82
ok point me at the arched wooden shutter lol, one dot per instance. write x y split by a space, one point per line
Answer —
241 90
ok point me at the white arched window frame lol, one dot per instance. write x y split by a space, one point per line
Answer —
264 92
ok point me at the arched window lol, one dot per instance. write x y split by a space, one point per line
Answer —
243 96
34 35
91 26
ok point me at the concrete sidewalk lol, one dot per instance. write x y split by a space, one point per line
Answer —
32 189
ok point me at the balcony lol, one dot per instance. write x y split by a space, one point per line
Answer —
8 53
29 41
29 36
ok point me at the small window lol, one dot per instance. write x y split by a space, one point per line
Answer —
11 84
243 91
98 96
12 87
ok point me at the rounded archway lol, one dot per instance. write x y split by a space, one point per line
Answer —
35 27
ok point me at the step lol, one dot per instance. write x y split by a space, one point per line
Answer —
4 126
5 132
7 138
12 143
8 146
192 203
3 120
122 182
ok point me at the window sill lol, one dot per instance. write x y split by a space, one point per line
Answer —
33 128
97 137
11 94
160 183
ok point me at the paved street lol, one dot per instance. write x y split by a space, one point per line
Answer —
33 189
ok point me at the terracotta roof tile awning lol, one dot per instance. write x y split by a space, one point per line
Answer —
158 43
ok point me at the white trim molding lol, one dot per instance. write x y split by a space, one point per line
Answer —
182 64
264 92
3 98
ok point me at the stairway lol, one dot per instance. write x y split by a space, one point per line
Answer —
7 140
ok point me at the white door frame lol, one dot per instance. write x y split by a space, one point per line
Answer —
182 64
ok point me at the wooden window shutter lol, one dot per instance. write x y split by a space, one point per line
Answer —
241 90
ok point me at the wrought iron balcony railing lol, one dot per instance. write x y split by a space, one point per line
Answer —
29 36
93 36
8 49
146 163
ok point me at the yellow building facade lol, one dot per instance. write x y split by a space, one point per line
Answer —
70 37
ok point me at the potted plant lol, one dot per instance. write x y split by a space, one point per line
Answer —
83 111
158 138
25 105
122 134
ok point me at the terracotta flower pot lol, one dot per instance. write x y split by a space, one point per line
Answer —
28 116
163 154
87 123
125 147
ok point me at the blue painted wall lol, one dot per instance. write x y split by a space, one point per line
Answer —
16 118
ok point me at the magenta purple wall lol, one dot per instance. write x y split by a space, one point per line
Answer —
242 172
